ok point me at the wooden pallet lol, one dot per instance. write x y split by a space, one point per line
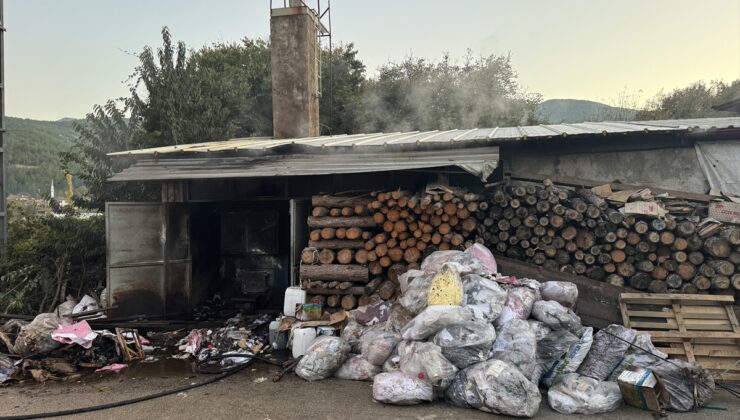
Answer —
701 329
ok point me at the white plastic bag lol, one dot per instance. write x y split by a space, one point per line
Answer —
570 362
607 351
479 258
638 356
517 346
556 316
398 317
400 389
437 259
684 383
433 319
466 343
357 368
518 305
323 358
583 395
494 386
426 362
352 333
87 303
393 362
405 279
550 349
416 297
485 297
540 329
376 344
563 292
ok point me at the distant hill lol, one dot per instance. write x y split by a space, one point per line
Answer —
32 152
577 110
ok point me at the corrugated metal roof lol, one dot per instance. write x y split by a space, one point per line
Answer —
494 135
478 161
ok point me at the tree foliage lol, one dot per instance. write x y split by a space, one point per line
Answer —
48 257
693 101
105 130
342 85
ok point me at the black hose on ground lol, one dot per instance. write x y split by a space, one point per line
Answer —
220 376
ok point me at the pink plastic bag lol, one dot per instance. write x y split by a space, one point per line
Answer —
79 333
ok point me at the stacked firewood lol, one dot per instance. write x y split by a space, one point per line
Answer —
360 246
332 266
577 231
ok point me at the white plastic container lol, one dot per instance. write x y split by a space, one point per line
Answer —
278 340
302 339
293 296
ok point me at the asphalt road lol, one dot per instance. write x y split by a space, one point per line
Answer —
251 394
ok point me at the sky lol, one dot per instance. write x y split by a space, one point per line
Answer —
64 56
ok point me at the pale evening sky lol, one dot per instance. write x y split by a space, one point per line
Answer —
64 56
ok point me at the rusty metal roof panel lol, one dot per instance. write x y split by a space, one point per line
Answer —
479 161
413 140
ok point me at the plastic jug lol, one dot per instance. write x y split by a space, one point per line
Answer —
302 339
293 296
278 340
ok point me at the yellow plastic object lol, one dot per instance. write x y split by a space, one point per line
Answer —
446 288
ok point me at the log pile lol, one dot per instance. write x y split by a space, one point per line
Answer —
580 232
360 246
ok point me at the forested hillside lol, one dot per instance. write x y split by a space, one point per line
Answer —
32 151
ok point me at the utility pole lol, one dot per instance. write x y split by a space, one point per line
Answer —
3 208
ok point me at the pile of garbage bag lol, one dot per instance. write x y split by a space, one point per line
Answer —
463 333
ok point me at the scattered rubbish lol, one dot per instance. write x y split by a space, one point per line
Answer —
562 292
377 344
259 380
607 350
516 345
116 367
466 343
640 388
79 333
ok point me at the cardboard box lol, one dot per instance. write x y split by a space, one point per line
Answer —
641 388
645 208
727 212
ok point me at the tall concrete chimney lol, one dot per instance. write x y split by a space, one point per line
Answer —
295 71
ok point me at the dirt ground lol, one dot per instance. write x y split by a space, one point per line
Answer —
251 394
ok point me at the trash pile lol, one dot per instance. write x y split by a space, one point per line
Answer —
61 346
462 333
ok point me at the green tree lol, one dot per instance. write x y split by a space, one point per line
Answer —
693 101
342 86
105 130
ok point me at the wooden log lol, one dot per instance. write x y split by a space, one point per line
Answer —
626 269
354 232
361 256
659 273
735 279
315 235
701 282
333 301
673 280
328 233
340 233
372 285
657 286
640 281
335 212
345 256
688 288
717 247
374 268
319 212
720 282
641 227
336 244
617 255
337 222
337 201
667 238
645 266
353 273
387 289
326 256
345 285
615 280
686 229
349 302
309 256
686 271
731 234
385 262
722 267
329 291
